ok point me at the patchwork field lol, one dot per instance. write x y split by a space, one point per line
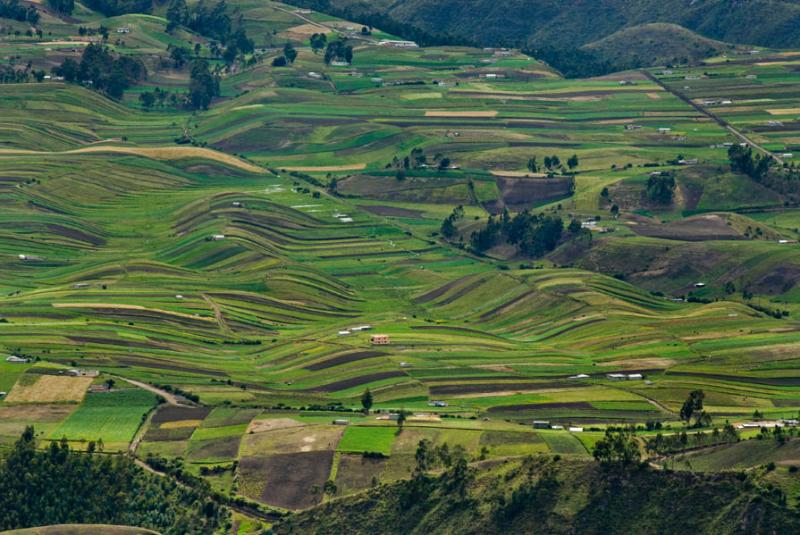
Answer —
235 262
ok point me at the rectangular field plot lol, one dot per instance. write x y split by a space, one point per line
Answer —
360 439
564 443
113 417
289 480
48 389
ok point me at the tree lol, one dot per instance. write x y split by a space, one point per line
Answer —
574 226
203 86
533 167
444 163
366 400
573 162
179 55
318 42
280 61
289 52
401 419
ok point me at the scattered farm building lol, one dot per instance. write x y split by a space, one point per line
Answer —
237 204
379 339
82 373
315 75
573 429
579 376
541 424
664 130
361 328
344 332
437 403
699 284
617 376
341 421
124 29
398 44
2 394
557 427
217 237
17 360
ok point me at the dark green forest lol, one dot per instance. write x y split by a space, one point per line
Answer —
56 485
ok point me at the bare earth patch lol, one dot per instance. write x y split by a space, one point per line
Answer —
258 426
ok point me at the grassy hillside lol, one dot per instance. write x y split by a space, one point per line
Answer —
564 25
654 44
555 497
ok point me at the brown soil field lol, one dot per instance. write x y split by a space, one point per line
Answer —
324 168
216 449
582 405
356 472
696 228
344 359
356 381
392 211
520 193
176 414
288 478
50 388
457 114
258 426
455 389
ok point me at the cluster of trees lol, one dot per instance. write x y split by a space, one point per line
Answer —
534 235
318 42
552 163
744 161
692 410
665 444
113 8
55 485
12 75
618 446
12 9
660 187
64 7
203 86
213 22
338 50
572 62
103 70
448 228
289 55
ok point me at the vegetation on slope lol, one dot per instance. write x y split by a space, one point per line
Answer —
559 26
57 486
555 496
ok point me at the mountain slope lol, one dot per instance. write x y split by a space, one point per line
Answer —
566 25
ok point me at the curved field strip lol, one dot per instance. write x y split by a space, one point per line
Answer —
155 153
326 168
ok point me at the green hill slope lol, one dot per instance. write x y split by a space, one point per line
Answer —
540 496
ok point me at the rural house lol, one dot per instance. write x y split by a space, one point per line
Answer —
379 339
17 360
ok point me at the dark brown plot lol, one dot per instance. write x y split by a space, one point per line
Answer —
391 211
455 389
356 381
290 477
344 359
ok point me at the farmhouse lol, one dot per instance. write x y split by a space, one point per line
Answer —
315 75
341 421
617 376
344 332
575 429
123 29
217 237
2 394
237 204
379 339
664 130
635 377
541 424
633 127
17 360
437 403
579 376
339 63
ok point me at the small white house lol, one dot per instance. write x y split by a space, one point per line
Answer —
17 360
579 376
635 377
344 332
573 429
217 237
617 376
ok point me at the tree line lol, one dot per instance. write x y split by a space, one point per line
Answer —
56 485
213 22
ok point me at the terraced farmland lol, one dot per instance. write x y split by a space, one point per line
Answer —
240 276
